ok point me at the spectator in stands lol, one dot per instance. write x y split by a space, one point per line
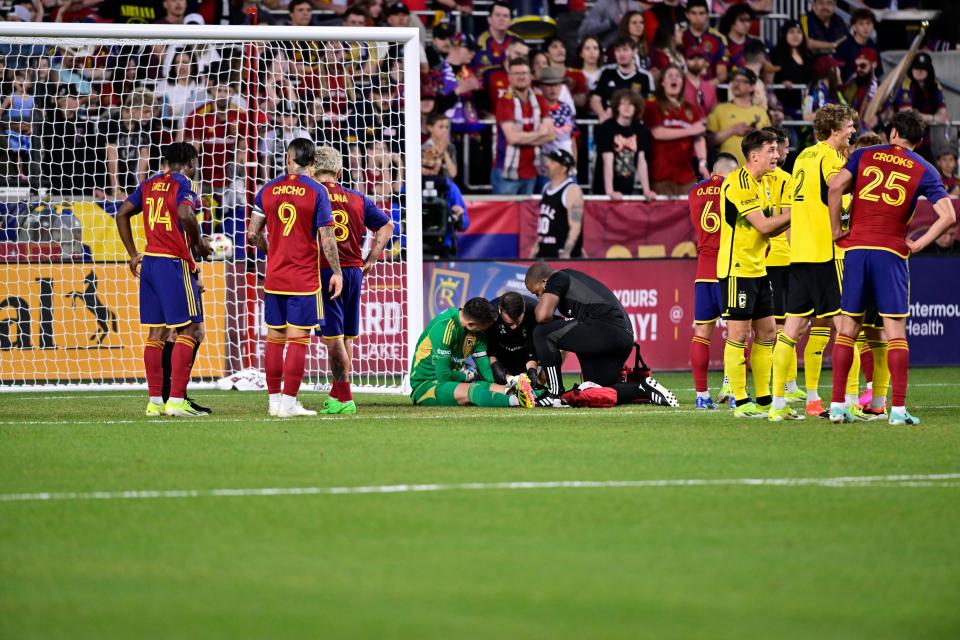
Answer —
862 24
286 128
735 27
698 90
947 165
677 131
15 56
860 87
625 75
494 41
70 71
19 151
356 16
589 56
439 45
826 86
730 121
666 50
667 14
921 90
375 11
129 11
633 26
825 30
755 59
569 15
458 84
622 147
794 59
573 79
437 153
180 93
523 127
699 34
301 13
130 144
604 18
564 116
496 82
71 147
175 11
946 243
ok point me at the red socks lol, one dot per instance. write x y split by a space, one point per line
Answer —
293 364
273 363
700 360
866 361
153 363
898 361
340 390
181 362
842 359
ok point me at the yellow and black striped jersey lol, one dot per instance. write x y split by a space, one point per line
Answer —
779 196
811 238
743 249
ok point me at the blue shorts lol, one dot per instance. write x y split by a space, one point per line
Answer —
342 318
707 302
875 277
169 295
300 312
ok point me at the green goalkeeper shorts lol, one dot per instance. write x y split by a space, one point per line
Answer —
430 393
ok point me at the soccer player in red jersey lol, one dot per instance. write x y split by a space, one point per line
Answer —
708 304
169 287
293 208
886 182
353 214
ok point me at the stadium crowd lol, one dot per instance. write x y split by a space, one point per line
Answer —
642 95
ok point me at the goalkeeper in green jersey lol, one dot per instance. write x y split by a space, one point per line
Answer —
438 376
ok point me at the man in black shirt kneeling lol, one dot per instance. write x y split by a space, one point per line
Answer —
510 338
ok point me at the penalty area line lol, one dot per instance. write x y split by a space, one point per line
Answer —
941 480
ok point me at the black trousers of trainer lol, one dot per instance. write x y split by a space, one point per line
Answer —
601 348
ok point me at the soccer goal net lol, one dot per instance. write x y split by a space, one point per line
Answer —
85 111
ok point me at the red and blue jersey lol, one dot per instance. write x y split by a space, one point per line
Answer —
887 182
158 198
295 207
353 213
705 216
492 53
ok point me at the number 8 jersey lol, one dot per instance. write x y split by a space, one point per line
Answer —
353 214
158 197
295 207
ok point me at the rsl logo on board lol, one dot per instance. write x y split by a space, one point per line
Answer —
448 290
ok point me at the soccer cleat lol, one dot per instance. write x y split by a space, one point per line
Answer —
524 391
706 403
840 415
658 393
551 401
787 413
726 394
815 409
875 414
295 411
898 418
749 410
866 398
154 410
181 409
272 409
859 413
199 407
333 406
797 395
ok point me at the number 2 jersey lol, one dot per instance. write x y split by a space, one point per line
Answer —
295 207
353 213
158 197
704 202
887 182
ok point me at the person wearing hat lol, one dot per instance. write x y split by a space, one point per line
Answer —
862 24
921 90
730 121
826 86
439 45
698 35
861 86
561 210
698 89
564 116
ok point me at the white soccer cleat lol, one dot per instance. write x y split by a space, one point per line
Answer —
296 410
273 408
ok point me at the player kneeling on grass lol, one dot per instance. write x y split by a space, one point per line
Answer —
169 286
438 377
294 208
353 214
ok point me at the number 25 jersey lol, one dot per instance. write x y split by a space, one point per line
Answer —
353 213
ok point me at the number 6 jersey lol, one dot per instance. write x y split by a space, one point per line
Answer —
705 216
158 197
295 207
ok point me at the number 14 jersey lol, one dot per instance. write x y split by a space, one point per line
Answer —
158 197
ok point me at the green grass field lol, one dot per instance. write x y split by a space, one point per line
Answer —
855 558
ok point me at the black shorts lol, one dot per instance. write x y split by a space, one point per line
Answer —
746 298
778 280
871 317
813 289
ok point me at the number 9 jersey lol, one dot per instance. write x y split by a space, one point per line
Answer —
295 207
158 197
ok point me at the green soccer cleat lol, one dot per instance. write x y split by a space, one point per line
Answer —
787 413
900 418
182 409
524 391
333 406
154 410
725 395
749 410
864 415
797 395
840 415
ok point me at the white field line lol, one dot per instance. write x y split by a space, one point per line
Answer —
950 480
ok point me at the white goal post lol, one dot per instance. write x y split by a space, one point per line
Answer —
92 107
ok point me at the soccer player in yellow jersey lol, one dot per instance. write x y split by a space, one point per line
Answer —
813 289
778 258
746 224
